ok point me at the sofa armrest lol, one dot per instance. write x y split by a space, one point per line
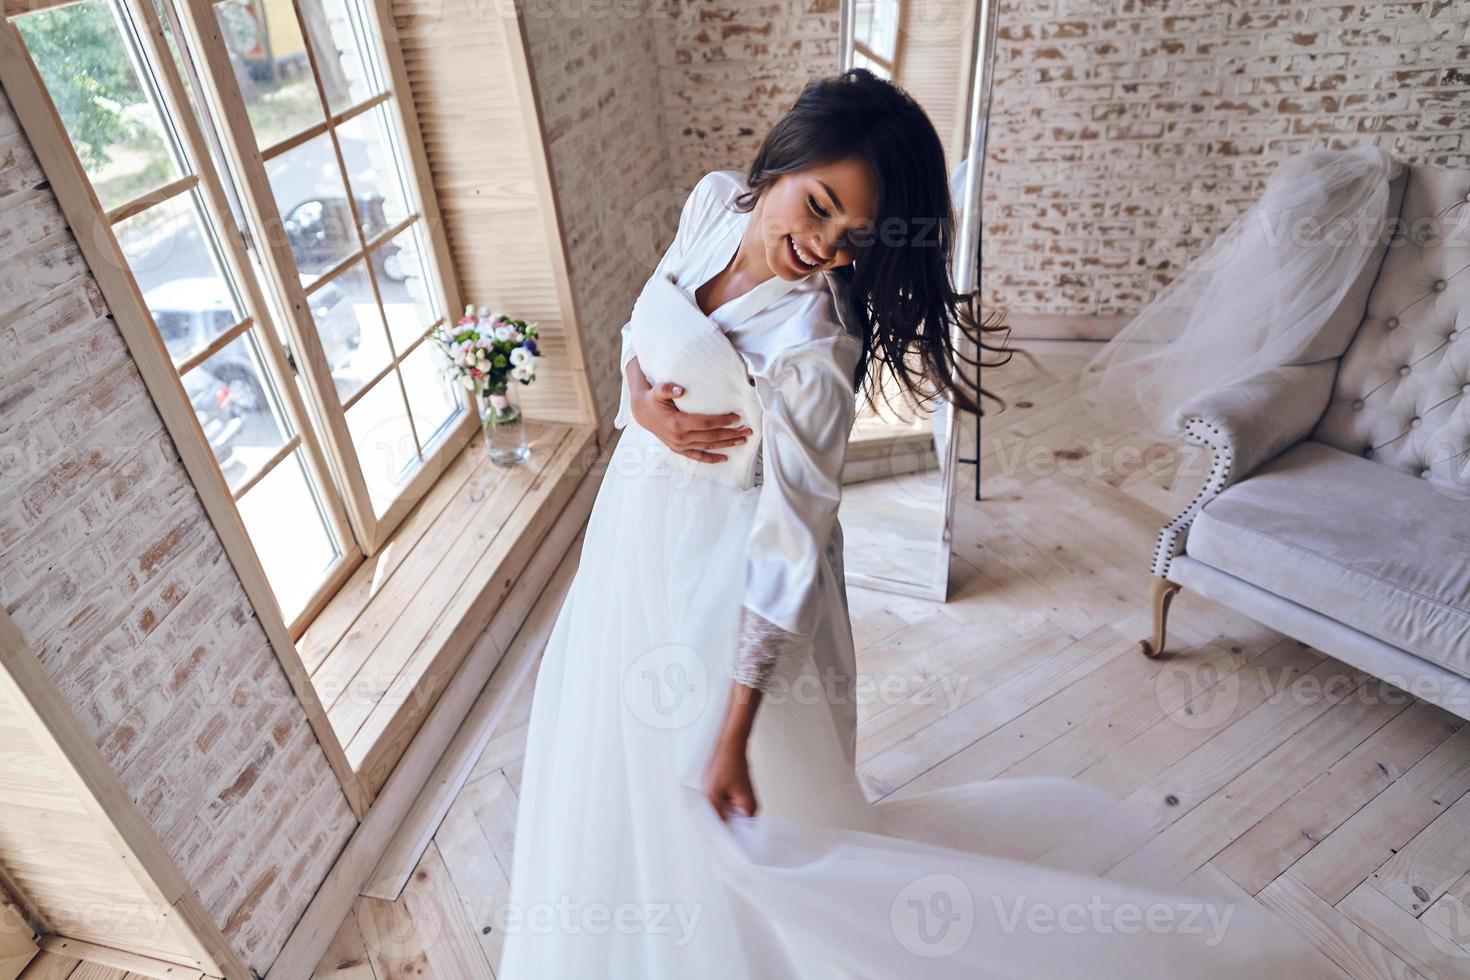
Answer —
1259 417
1244 426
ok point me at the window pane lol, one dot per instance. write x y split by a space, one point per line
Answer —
373 171
271 68
351 328
433 399
312 199
407 301
348 76
180 273
108 113
239 414
290 533
876 25
383 440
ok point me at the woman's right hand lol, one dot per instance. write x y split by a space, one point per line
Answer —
689 434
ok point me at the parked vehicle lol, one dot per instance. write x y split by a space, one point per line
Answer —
220 416
321 234
226 390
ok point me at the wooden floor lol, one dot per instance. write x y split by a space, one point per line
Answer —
1260 765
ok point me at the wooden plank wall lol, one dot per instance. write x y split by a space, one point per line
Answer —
934 45
466 65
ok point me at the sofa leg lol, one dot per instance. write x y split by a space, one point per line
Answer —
1160 595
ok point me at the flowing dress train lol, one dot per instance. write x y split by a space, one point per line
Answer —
621 868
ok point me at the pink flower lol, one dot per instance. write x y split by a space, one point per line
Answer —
499 401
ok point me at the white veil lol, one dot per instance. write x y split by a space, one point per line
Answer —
1258 297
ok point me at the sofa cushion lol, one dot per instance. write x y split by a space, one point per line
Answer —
1368 545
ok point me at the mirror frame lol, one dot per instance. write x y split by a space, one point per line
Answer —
966 278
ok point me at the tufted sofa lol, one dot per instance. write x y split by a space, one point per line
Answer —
1337 505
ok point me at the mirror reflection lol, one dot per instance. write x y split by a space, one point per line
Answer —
901 470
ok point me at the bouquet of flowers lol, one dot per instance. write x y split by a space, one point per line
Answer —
487 351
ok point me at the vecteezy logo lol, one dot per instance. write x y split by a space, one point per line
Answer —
667 687
933 916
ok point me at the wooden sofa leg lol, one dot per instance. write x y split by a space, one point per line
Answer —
1160 596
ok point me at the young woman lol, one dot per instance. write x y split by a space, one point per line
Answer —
689 806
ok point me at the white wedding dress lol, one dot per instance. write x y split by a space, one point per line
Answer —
693 574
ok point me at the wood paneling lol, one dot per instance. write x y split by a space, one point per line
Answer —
934 62
487 162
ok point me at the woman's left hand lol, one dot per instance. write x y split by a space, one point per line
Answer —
727 782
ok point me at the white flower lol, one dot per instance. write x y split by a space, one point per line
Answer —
503 332
468 382
520 373
519 355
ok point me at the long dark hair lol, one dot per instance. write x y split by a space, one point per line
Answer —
898 288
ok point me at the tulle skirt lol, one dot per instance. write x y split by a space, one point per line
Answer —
623 871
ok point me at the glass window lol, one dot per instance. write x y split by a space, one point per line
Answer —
384 440
237 410
432 399
316 218
179 270
107 107
349 74
374 171
202 239
271 68
286 524
407 301
113 89
350 325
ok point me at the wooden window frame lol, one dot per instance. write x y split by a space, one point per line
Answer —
49 140
92 226
227 106
205 181
215 86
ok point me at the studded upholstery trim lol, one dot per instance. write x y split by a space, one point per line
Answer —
1173 536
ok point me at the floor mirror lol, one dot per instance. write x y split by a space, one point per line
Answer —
903 462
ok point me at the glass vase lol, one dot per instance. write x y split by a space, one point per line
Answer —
503 426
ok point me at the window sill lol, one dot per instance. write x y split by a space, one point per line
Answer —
384 647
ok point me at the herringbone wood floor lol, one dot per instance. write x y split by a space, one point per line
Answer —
1261 765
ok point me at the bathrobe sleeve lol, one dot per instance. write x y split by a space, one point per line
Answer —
695 214
808 409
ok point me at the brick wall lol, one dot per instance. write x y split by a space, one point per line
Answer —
597 79
112 571
728 70
1126 135
639 101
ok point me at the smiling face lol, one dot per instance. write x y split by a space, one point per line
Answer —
808 219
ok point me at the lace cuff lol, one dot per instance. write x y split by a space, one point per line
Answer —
762 646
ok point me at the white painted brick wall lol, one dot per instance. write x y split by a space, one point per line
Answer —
1125 135
110 568
597 75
